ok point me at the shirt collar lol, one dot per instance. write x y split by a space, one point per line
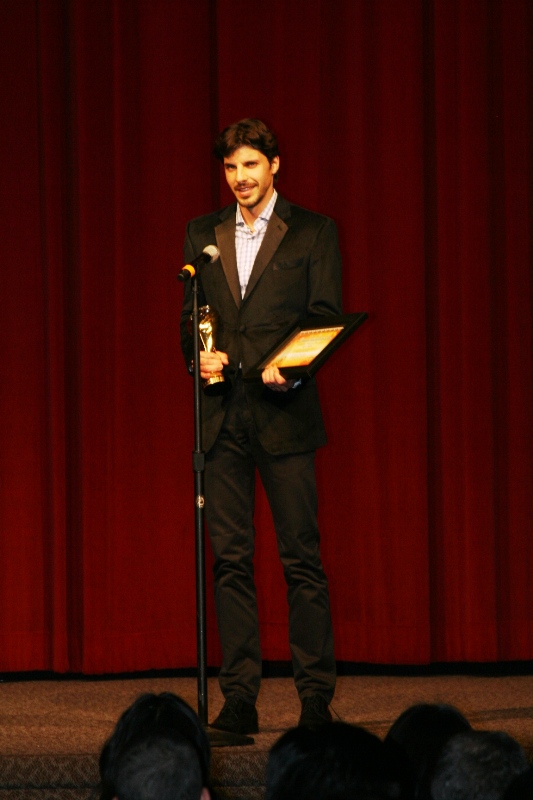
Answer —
264 215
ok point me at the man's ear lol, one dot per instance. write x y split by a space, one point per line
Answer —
274 165
206 795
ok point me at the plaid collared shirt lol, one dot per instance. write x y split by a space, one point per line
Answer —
247 242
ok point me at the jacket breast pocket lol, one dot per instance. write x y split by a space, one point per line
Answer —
285 266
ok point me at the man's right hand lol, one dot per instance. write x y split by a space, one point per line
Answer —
212 362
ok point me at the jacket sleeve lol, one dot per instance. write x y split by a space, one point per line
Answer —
325 272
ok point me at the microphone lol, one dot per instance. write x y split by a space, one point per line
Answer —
208 255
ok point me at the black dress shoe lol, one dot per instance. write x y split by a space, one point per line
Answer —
315 712
237 716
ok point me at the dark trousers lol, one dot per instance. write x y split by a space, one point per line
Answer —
290 486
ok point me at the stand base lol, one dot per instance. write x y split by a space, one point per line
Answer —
226 739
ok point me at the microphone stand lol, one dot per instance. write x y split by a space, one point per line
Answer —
217 738
198 465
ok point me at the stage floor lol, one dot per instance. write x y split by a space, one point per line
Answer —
57 727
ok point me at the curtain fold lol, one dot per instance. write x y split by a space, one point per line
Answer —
410 124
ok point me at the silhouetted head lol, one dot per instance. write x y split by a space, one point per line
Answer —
521 787
477 765
157 768
416 739
152 715
336 762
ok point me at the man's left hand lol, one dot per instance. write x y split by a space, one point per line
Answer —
273 379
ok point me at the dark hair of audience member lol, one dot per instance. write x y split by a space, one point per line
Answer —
521 787
477 765
158 768
416 738
164 715
336 762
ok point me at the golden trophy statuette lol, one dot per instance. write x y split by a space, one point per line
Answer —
207 326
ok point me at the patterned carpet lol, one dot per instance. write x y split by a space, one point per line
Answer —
51 731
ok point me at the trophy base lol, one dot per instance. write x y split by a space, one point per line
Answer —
215 386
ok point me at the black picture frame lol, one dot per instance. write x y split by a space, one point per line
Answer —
308 346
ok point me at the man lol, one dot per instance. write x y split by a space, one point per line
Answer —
278 265
477 765
340 761
161 768
158 749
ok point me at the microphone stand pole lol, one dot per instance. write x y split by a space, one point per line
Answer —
217 738
198 465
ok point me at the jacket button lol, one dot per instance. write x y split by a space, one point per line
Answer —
242 328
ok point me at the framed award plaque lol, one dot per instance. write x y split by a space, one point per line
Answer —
308 346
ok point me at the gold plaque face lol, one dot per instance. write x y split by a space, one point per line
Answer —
304 347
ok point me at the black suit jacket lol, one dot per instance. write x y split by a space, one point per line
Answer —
297 273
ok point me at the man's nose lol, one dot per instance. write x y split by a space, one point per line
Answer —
241 173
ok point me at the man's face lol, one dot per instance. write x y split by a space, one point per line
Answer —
250 176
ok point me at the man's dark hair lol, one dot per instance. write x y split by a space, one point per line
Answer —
162 715
477 765
336 762
157 768
246 133
521 787
416 739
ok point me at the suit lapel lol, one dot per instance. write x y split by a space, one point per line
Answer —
225 235
275 232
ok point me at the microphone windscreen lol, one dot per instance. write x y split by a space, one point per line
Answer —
212 251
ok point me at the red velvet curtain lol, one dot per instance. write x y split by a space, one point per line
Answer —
410 123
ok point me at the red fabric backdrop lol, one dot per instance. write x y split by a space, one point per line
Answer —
410 123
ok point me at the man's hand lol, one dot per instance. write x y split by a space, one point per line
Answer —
212 362
273 378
